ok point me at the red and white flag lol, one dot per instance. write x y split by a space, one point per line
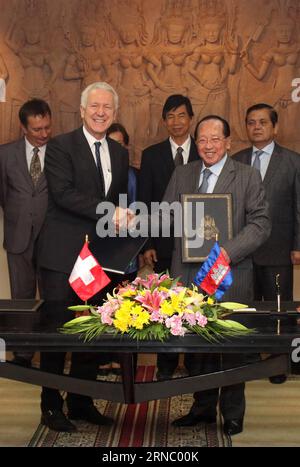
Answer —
87 277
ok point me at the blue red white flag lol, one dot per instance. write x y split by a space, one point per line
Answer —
214 276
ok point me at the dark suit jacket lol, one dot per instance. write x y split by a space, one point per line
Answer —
282 186
251 224
74 193
156 170
24 205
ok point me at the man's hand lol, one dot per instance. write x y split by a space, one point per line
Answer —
150 258
122 217
227 258
295 257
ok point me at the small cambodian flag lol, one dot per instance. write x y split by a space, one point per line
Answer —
214 276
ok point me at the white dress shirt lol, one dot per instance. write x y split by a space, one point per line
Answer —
104 157
215 172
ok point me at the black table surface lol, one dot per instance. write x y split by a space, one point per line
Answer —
39 331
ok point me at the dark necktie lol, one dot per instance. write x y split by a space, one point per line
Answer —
99 166
179 157
204 185
35 166
257 160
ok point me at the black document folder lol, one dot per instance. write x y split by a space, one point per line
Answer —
114 254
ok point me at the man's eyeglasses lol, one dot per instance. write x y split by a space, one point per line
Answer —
215 141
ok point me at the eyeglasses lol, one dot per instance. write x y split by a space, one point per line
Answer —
214 140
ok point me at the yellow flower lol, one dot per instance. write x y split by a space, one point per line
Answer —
178 304
210 301
129 293
140 318
123 317
121 325
163 289
167 308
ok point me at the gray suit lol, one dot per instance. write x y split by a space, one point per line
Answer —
251 227
24 207
282 186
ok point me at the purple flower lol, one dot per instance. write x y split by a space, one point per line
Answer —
175 325
190 318
201 320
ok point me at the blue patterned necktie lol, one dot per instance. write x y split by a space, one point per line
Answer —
99 166
204 185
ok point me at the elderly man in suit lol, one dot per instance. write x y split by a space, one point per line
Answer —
158 164
24 198
216 172
83 168
280 171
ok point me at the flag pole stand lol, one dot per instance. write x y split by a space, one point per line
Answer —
277 282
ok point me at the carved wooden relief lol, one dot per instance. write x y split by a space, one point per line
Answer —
224 54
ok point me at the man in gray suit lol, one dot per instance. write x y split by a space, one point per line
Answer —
24 198
215 172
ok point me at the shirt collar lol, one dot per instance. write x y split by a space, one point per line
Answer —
217 168
91 139
30 148
185 146
267 149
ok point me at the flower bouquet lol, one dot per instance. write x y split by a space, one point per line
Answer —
156 308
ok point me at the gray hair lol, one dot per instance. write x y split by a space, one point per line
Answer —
99 85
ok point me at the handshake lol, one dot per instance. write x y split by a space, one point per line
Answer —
123 219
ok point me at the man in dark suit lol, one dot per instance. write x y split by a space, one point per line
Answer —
216 172
158 164
24 198
280 171
83 168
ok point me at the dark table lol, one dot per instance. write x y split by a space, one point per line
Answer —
38 331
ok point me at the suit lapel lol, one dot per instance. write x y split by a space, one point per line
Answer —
87 155
248 156
114 167
226 177
21 161
193 155
274 165
167 156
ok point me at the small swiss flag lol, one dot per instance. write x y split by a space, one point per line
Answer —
87 277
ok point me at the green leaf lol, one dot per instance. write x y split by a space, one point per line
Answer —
233 305
78 320
79 307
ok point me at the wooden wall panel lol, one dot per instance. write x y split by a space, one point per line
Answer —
224 54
